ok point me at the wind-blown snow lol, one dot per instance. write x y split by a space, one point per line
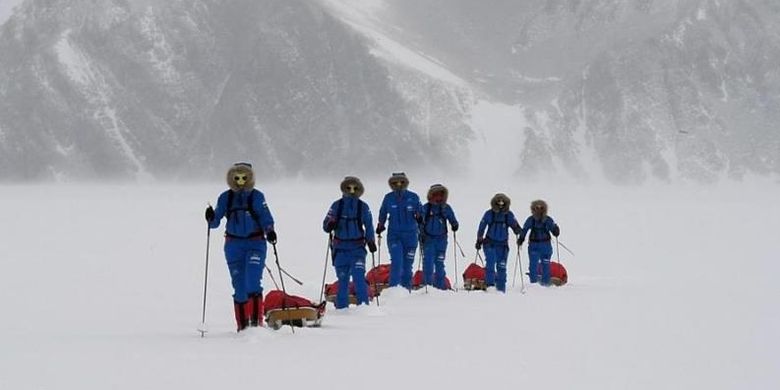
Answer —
670 288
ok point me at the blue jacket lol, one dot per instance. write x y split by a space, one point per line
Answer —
239 220
355 225
539 229
403 208
497 225
435 217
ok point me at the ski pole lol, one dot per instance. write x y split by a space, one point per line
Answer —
457 243
271 274
376 290
325 269
379 249
514 274
202 328
455 258
291 277
420 264
557 250
520 264
564 247
284 290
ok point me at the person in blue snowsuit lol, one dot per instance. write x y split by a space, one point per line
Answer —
403 208
493 236
350 224
433 235
249 224
540 226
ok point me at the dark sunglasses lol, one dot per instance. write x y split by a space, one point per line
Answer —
239 178
352 187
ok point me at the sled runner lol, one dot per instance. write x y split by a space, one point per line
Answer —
474 277
417 281
292 310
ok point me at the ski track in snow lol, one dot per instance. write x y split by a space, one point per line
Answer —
666 292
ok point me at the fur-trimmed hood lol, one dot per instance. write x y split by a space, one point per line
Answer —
240 169
398 176
353 181
438 188
494 202
540 211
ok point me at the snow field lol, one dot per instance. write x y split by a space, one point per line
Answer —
671 288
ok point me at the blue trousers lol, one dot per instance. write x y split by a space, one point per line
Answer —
539 253
350 262
402 248
245 261
495 267
434 251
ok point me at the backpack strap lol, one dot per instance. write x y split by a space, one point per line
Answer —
359 219
250 207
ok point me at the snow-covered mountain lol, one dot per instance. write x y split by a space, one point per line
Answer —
628 90
118 88
644 89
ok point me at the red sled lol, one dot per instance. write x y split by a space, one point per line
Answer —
417 281
378 278
558 274
474 277
281 309
331 290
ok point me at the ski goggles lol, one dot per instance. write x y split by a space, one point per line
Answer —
240 178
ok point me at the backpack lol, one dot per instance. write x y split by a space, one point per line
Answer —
359 218
230 211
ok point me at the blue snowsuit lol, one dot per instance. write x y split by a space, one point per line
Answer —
433 235
354 227
496 245
403 208
539 247
245 245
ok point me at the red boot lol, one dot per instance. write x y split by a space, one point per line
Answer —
242 321
255 308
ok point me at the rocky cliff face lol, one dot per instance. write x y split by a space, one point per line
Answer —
152 88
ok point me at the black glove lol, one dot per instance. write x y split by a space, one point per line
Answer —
210 214
371 246
520 240
556 231
423 237
271 237
478 245
330 225
418 218
380 228
455 228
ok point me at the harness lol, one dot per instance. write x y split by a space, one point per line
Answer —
429 213
358 219
260 234
493 221
538 230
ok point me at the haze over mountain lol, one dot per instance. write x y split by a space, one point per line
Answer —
628 90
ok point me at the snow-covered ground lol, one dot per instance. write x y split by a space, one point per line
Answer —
671 288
